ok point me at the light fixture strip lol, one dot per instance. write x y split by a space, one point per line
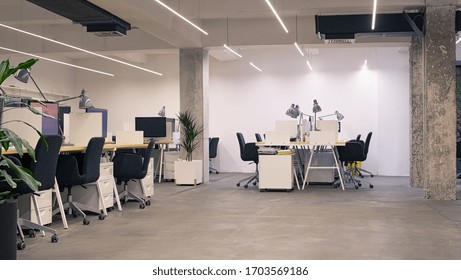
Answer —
373 21
57 61
365 64
256 67
309 65
231 50
79 49
299 49
181 16
459 40
276 15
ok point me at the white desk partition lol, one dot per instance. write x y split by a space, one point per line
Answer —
276 138
287 126
83 126
129 137
323 138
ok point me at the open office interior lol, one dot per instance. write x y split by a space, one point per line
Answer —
368 81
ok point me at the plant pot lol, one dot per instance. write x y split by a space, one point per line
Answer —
188 172
8 224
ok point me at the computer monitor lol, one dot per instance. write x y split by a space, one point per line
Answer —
151 126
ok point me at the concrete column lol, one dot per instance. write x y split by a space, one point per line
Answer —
416 112
193 94
439 117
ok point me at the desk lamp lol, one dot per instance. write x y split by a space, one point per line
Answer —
161 113
339 117
316 109
84 102
295 112
23 76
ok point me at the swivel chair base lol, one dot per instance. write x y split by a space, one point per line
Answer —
33 226
127 195
253 178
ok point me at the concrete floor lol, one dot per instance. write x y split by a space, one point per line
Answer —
221 221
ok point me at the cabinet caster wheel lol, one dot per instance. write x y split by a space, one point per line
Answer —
360 184
246 186
102 217
371 186
110 209
32 233
371 175
86 222
142 206
262 190
21 245
217 172
356 187
254 183
148 203
74 215
54 238
361 176
238 184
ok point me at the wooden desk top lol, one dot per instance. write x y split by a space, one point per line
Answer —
305 143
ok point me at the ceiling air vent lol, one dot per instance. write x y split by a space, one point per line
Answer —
339 41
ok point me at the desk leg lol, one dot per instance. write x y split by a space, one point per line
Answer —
306 173
37 213
61 207
104 210
338 166
117 198
160 163
295 173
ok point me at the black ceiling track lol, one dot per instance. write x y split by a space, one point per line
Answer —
87 14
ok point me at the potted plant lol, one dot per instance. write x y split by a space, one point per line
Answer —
189 171
16 173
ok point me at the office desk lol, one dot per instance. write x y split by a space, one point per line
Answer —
314 150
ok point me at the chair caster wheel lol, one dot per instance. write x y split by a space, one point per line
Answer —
254 183
148 203
101 217
371 175
238 184
246 186
54 238
371 186
21 245
356 187
361 176
32 233
217 172
86 221
142 206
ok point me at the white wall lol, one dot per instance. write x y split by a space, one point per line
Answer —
247 101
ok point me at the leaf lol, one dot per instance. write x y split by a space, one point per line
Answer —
8 178
22 174
15 140
4 67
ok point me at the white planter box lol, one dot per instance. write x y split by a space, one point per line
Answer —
188 172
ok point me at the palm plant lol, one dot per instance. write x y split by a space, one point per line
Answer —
190 130
8 138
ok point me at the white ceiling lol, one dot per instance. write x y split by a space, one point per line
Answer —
240 23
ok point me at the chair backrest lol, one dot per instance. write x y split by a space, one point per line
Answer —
92 159
258 137
458 149
367 143
44 168
358 137
147 156
241 140
213 148
351 152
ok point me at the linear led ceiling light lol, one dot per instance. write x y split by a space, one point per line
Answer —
57 61
296 42
80 49
276 15
182 17
299 49
373 21
365 64
234 52
255 67
308 64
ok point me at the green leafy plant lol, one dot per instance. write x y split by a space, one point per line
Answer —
8 138
190 130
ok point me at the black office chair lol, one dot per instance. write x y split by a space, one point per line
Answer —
213 152
258 137
458 156
133 166
77 170
349 155
248 152
43 169
366 145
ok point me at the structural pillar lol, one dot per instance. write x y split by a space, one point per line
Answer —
193 95
434 166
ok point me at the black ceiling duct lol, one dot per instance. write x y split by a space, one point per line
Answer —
349 27
97 20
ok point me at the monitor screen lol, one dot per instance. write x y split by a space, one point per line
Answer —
152 126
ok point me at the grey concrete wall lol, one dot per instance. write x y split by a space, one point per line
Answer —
440 103
416 113
193 95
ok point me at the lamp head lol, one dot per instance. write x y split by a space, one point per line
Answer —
161 113
23 75
293 111
339 116
84 102
316 107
